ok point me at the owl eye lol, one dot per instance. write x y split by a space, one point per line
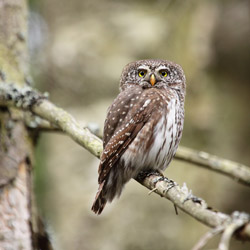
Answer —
164 73
142 73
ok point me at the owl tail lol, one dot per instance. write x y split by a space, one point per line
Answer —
100 200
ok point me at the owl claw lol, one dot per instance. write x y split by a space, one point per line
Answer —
171 184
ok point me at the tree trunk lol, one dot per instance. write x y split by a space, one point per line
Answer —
19 227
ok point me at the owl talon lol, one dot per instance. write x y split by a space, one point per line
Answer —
143 174
171 184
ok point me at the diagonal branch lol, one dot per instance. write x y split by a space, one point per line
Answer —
28 99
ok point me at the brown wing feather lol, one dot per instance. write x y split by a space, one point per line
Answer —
124 135
116 114
100 200
118 149
104 168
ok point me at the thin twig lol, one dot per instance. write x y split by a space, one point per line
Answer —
206 237
238 220
226 236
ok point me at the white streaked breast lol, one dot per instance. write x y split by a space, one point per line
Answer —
164 134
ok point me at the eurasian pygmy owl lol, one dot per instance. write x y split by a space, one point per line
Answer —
143 126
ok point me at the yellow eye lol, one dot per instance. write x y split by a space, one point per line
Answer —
142 73
164 73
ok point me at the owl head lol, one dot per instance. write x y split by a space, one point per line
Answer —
153 73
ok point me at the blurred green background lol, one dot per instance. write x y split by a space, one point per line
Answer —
78 49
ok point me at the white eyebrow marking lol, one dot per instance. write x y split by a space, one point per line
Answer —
163 67
143 67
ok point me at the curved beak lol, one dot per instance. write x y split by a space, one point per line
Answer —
152 80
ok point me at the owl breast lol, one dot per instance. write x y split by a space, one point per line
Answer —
157 142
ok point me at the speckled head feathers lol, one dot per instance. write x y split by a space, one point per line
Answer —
175 75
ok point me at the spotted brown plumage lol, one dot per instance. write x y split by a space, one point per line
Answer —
143 126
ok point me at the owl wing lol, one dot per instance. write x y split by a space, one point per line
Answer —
123 136
116 114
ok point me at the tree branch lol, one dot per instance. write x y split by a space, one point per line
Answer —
28 99
235 170
36 123
186 201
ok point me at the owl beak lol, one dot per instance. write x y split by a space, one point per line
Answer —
152 80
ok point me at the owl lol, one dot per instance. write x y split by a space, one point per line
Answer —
143 126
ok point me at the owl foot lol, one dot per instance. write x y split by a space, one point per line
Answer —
143 174
153 172
171 184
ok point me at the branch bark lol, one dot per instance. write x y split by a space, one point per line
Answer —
29 99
